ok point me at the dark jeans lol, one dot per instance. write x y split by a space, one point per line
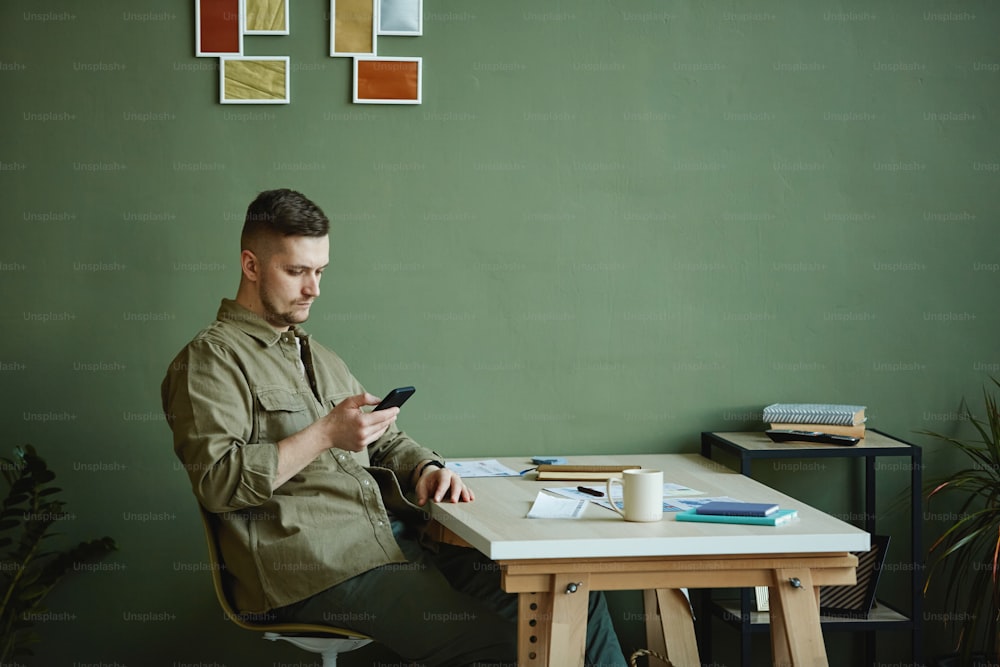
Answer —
443 608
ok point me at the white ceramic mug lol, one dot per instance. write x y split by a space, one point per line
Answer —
642 494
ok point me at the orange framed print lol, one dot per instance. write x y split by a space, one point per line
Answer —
254 80
218 27
387 80
353 26
266 17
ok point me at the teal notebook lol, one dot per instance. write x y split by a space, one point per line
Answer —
776 519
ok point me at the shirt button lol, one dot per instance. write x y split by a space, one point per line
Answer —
365 482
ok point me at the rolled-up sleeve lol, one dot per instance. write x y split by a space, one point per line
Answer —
209 405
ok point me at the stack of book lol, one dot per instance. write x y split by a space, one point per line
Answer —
825 418
757 514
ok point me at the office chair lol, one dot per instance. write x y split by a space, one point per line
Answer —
326 640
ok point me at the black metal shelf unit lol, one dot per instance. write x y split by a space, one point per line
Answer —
751 446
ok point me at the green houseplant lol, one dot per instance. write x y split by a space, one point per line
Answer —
968 552
28 570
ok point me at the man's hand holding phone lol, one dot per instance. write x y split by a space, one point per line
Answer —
352 428
348 426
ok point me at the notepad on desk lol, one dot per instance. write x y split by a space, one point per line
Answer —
570 472
776 519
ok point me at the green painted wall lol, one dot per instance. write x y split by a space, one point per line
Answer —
609 226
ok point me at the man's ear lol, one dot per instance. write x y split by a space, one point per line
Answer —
250 265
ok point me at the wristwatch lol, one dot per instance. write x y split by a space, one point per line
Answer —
432 462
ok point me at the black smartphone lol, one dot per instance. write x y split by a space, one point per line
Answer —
395 398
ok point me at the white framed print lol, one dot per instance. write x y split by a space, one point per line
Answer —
254 80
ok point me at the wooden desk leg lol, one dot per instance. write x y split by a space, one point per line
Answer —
797 615
779 635
534 625
656 630
670 626
570 601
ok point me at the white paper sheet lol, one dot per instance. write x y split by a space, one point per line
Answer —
483 468
671 491
552 507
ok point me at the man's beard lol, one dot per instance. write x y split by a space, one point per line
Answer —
274 316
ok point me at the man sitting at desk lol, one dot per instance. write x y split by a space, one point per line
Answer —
308 486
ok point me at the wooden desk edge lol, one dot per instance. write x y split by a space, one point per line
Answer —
436 532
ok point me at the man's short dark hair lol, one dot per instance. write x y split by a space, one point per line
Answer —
283 212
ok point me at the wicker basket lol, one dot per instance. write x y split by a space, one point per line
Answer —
645 651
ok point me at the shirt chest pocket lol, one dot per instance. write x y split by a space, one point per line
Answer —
282 412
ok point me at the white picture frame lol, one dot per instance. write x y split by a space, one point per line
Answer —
359 83
348 52
241 13
403 18
224 98
250 31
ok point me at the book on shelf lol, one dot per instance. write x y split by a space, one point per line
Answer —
775 519
833 429
568 472
814 413
761 597
728 508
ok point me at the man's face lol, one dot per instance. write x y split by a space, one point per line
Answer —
289 278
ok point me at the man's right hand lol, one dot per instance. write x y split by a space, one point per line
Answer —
346 427
351 428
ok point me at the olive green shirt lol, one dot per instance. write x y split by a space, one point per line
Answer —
229 396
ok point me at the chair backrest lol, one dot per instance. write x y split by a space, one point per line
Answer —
249 621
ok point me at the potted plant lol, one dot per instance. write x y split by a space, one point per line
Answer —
968 553
28 572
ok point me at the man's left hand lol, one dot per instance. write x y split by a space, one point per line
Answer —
438 484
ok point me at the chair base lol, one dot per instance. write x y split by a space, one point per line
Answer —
327 647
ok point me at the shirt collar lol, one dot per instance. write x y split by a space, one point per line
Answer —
253 324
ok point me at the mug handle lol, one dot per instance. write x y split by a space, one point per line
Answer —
609 484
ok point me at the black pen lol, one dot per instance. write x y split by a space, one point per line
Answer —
589 491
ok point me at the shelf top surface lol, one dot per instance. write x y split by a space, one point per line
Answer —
757 441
